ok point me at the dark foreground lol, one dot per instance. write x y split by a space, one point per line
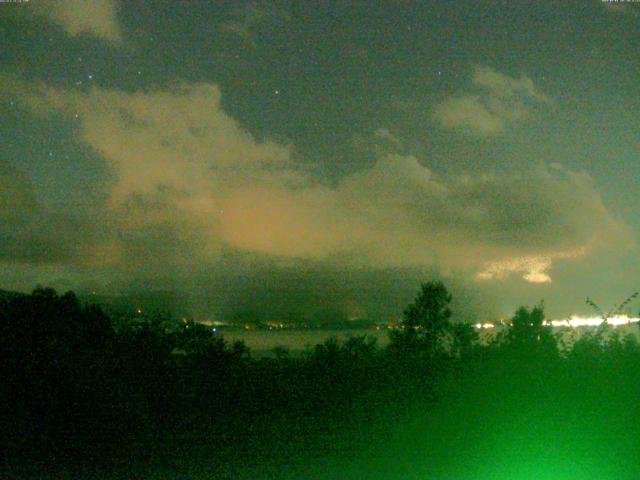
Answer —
80 400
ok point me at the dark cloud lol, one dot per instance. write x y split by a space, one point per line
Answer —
16 196
29 233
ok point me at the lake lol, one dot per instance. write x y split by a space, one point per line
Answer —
262 342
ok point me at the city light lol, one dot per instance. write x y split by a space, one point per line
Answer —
574 321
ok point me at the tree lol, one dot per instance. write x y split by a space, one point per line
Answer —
427 319
464 336
529 333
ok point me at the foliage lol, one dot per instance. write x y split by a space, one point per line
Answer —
426 321
464 338
75 389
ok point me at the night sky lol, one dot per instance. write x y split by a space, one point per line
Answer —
286 156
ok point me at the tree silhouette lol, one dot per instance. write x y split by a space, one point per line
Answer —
426 320
615 310
464 336
529 333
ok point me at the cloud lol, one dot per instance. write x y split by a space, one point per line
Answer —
495 224
499 101
469 111
76 17
621 8
245 23
533 268
177 159
189 185
383 134
501 85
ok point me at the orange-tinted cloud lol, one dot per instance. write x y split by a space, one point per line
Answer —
189 183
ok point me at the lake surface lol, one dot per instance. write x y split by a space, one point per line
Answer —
262 342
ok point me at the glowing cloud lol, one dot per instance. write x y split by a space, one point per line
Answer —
533 268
